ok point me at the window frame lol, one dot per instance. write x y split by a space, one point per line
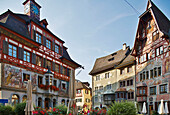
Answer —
26 58
12 49
38 37
154 90
48 44
165 89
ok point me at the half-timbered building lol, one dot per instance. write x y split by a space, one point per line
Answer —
30 51
153 58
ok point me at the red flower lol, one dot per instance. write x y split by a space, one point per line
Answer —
35 112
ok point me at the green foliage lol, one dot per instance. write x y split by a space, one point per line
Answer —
6 110
155 113
19 108
122 108
62 108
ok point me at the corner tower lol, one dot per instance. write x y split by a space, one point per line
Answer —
32 9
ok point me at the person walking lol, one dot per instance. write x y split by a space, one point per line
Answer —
88 112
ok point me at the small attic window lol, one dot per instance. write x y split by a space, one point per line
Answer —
113 54
111 59
44 25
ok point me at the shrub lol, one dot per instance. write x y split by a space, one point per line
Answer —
122 108
6 110
155 113
19 108
62 109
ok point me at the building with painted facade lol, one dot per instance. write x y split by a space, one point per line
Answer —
83 95
30 51
152 53
113 78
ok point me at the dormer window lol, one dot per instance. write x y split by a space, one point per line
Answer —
44 25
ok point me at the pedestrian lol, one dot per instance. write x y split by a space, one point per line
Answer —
88 112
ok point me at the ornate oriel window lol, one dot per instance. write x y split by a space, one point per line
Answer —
12 51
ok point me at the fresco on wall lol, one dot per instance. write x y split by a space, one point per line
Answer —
13 77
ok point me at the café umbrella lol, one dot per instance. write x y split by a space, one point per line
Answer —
144 108
29 105
161 110
166 108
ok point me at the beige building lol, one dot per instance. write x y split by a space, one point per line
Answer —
83 95
113 78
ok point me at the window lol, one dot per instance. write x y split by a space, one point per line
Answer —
38 38
101 88
142 91
149 25
108 86
96 99
40 80
79 91
138 59
64 86
57 48
147 74
78 100
55 83
155 72
147 56
121 71
123 83
159 71
163 88
144 57
98 78
86 91
131 82
151 73
155 35
38 61
87 100
141 77
27 56
127 82
12 51
129 69
106 75
96 88
26 77
157 51
48 44
132 95
48 63
57 68
153 90
47 80
64 70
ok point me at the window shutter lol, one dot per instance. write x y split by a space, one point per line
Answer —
33 58
67 71
61 69
61 50
53 45
5 47
34 35
53 66
20 53
44 62
44 41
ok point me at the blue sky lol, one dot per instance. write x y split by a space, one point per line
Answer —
90 28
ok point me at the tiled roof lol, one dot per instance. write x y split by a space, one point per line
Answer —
121 89
109 61
80 85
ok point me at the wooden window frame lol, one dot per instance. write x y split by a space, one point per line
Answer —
28 57
13 50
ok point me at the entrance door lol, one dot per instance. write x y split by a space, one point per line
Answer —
150 109
46 103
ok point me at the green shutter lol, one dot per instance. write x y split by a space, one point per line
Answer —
20 53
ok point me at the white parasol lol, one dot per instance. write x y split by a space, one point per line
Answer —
166 108
161 109
144 108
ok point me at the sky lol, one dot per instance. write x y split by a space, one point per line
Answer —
90 28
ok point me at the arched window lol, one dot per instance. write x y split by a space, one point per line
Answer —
54 102
15 99
24 98
63 101
39 102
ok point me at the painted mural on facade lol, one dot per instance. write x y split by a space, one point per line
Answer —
14 77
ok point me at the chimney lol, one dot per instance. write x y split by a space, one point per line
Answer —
124 46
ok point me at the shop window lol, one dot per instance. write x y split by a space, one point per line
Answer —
153 90
38 60
26 77
27 56
40 80
12 51
24 98
163 88
15 99
48 44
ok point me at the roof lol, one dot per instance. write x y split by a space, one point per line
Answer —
109 61
121 89
161 21
80 85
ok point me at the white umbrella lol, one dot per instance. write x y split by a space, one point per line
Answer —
144 108
166 108
161 111
29 105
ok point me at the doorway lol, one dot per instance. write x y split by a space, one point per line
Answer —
150 109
